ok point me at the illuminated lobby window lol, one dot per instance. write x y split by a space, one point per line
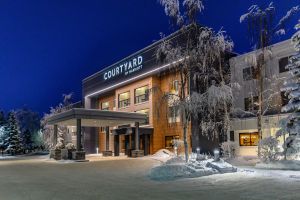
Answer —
105 105
141 94
249 139
174 87
124 99
144 111
169 141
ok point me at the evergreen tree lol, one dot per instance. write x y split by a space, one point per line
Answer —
292 91
3 131
27 140
13 140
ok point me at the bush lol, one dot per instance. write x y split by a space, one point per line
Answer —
228 149
269 149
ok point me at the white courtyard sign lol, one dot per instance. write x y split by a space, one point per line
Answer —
126 68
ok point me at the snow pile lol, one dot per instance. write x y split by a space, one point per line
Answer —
282 165
177 168
163 155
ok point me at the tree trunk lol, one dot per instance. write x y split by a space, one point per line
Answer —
186 150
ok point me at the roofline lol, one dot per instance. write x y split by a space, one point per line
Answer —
172 35
273 45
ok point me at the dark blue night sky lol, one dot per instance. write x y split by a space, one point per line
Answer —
48 47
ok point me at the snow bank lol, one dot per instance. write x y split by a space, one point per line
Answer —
177 168
282 165
163 155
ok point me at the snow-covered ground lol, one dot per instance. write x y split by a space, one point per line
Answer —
125 178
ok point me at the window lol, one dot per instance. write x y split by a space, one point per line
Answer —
173 114
169 141
249 73
144 111
124 99
283 62
174 87
105 105
284 99
248 139
251 103
231 137
141 94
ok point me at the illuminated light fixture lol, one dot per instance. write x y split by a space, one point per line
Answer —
216 155
134 78
198 150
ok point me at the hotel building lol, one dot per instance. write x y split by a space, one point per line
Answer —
244 127
124 112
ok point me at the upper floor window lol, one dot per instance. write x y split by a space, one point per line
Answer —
283 62
251 103
144 111
141 94
249 73
174 87
284 99
173 114
105 105
124 99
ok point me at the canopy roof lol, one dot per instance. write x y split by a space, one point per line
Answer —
95 118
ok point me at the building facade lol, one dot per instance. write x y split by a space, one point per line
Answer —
137 83
244 130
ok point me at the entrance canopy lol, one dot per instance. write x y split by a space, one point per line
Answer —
95 118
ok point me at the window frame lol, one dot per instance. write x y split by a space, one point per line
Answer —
283 69
146 94
147 121
125 100
249 73
176 115
251 143
106 108
255 107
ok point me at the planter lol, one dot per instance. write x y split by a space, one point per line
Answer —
55 154
106 153
64 154
78 155
137 153
70 153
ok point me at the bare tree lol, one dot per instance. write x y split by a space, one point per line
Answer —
198 61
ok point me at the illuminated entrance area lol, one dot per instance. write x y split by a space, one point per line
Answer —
88 118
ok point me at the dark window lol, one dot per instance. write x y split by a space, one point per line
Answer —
283 62
141 94
251 103
231 136
249 73
248 139
284 99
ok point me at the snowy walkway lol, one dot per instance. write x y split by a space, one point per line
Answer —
127 179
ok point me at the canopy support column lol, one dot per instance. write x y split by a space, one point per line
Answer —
107 152
137 152
55 134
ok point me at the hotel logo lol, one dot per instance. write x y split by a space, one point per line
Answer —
126 68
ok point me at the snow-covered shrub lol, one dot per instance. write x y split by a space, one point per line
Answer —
228 149
269 149
70 146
